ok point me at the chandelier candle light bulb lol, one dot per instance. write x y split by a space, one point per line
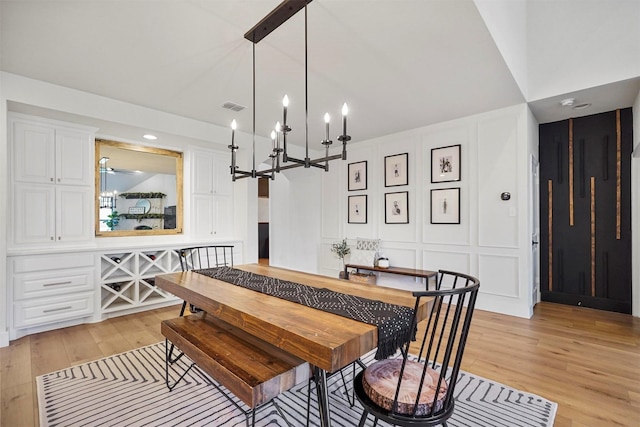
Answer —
345 111
327 119
233 148
234 125
278 130
285 104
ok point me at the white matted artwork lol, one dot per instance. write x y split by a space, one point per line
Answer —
357 209
396 170
357 176
396 208
445 206
445 164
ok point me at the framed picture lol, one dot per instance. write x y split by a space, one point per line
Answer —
396 208
445 164
445 206
395 170
358 176
357 209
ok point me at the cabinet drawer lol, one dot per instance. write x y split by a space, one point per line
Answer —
35 285
25 264
47 310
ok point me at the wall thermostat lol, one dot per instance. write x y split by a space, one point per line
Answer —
505 196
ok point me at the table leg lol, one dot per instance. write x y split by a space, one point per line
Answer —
320 376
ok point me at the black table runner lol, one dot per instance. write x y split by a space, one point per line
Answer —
393 321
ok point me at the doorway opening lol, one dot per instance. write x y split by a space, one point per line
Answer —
263 221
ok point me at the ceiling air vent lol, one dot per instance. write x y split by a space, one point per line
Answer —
233 106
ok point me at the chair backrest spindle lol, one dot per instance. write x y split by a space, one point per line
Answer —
200 257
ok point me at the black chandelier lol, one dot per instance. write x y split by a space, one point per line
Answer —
279 155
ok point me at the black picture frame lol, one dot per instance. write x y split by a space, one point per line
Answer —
445 206
396 170
357 179
445 164
357 209
396 208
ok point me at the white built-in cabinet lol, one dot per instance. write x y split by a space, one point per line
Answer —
50 289
52 181
211 195
127 278
57 273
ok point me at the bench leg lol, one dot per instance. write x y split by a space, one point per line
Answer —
251 411
182 309
167 361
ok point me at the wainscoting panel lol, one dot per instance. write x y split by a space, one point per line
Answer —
452 261
497 165
499 275
327 260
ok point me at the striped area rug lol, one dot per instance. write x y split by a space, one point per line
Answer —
128 389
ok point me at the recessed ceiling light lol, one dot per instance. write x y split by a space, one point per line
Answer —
568 102
150 137
582 106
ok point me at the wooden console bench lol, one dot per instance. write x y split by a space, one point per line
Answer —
253 370
423 274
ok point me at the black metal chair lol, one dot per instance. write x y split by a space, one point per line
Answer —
200 257
418 390
197 258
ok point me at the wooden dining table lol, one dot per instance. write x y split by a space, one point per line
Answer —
327 341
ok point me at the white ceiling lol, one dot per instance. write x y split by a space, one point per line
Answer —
398 64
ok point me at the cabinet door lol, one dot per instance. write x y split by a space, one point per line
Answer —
203 215
74 160
224 216
202 173
223 184
33 158
74 221
34 213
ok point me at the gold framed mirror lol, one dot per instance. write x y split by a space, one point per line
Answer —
138 190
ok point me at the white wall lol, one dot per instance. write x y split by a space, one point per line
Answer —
295 219
492 241
507 23
635 208
564 57
4 214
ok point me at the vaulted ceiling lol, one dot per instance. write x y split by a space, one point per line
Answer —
400 64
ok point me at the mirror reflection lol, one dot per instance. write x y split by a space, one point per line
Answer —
139 190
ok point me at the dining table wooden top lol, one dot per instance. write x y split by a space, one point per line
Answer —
326 340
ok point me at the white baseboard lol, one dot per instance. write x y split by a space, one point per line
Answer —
4 339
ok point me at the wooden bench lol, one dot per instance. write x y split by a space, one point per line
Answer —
253 370
411 272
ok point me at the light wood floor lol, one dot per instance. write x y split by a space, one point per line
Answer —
586 360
